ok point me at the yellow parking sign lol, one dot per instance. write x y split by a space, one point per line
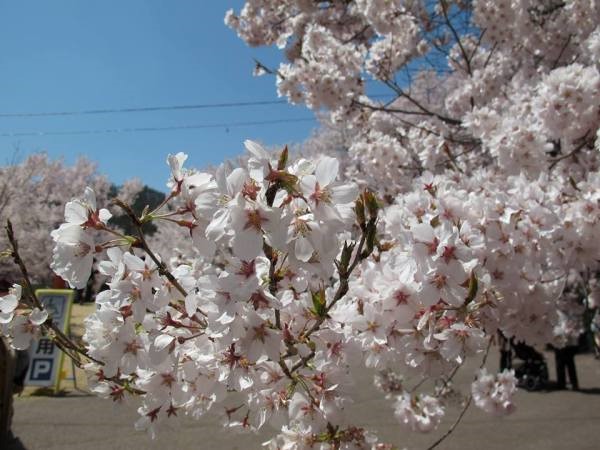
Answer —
45 359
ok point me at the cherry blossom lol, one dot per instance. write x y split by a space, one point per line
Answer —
462 203
493 394
24 328
9 303
418 413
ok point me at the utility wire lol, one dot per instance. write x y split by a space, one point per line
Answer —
155 108
145 109
146 129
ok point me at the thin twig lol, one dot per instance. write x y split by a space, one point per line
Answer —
141 241
465 408
489 56
555 161
456 36
62 340
399 91
391 110
562 50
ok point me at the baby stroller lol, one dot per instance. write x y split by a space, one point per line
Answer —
532 370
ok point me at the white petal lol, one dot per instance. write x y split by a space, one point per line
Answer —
298 404
303 249
6 317
221 178
38 317
235 181
104 215
115 254
176 162
104 296
255 351
205 247
327 169
344 193
8 303
256 149
76 212
89 198
162 341
307 185
72 262
423 232
206 204
133 262
216 228
191 304
247 245
245 382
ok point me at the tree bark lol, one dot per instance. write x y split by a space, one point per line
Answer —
7 370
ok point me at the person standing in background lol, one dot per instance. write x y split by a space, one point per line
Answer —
571 307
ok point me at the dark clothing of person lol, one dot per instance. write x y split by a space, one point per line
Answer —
505 352
505 360
565 361
21 367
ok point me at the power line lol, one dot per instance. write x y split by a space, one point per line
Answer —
145 109
146 129
86 112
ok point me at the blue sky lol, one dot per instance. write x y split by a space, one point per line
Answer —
72 55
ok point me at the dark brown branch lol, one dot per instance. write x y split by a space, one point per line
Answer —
562 50
356 35
400 92
584 142
456 36
489 56
392 110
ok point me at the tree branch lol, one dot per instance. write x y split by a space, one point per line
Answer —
400 92
62 340
465 408
584 142
456 36
141 241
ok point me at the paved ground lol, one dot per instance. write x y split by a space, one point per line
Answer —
554 420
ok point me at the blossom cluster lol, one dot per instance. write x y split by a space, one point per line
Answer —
419 413
253 323
493 393
21 325
485 154
489 141
506 85
268 307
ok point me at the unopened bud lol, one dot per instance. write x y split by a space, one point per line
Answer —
370 239
319 302
346 255
371 203
186 224
283 158
359 210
